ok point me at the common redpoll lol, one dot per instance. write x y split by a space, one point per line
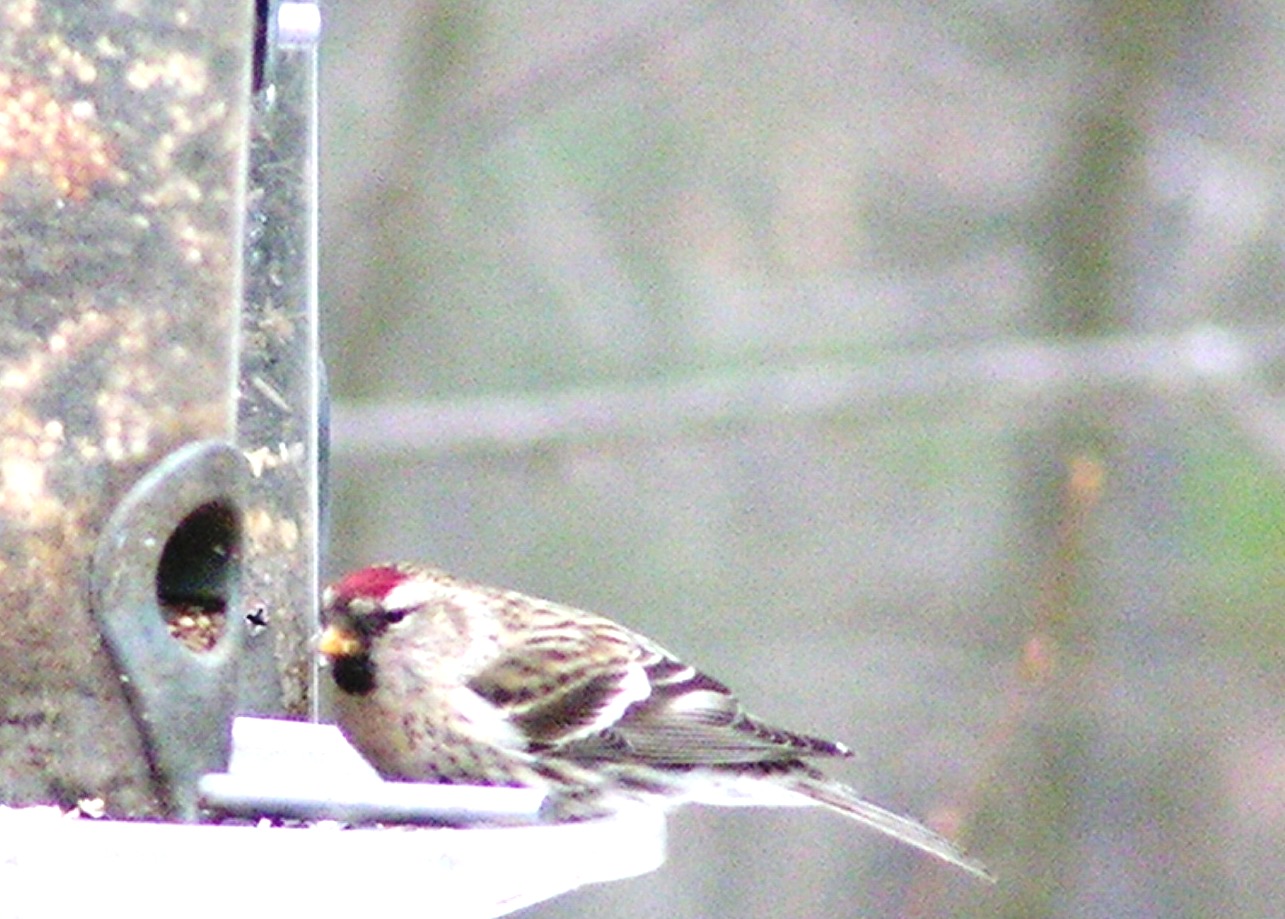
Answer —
442 680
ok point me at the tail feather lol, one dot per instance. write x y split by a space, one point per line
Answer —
846 801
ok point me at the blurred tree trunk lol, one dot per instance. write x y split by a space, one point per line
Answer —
1101 474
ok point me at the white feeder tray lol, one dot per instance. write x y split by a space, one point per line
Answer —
51 864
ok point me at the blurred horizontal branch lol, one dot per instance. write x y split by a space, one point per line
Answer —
1203 359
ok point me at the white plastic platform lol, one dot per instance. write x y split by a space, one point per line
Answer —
56 865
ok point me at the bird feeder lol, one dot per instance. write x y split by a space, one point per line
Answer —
160 518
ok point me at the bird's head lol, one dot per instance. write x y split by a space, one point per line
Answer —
359 611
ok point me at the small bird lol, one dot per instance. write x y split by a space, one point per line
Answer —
443 680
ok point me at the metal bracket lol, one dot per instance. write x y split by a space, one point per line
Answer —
171 547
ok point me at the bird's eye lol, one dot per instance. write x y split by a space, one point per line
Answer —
393 616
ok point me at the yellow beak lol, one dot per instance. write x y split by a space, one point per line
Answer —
336 643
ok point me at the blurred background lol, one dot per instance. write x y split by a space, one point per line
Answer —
914 368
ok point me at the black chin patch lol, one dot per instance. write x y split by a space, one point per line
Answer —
354 675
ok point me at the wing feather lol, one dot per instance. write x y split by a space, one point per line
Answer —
690 719
561 687
588 689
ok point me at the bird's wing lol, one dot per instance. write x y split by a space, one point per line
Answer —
691 719
592 690
562 682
